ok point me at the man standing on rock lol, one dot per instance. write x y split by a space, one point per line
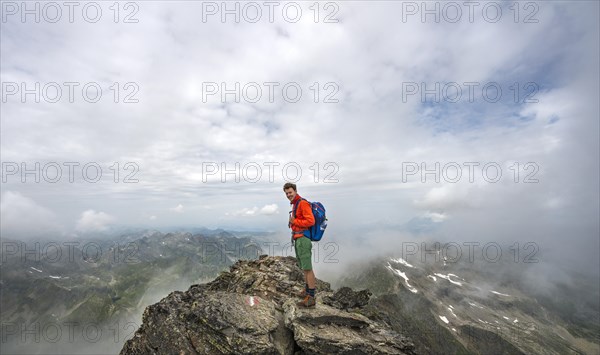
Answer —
301 218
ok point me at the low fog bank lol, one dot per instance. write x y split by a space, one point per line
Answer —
540 266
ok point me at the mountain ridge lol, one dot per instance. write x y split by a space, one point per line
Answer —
252 309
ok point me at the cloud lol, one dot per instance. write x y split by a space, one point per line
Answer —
269 209
447 197
266 210
92 221
22 217
436 217
246 212
367 134
178 209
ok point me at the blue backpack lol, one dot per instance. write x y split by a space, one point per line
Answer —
315 233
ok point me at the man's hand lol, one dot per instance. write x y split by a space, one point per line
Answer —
291 221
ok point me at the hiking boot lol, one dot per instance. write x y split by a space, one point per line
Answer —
302 293
308 301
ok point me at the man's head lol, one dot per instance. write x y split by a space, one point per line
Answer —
290 190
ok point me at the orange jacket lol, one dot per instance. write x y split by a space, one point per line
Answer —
304 217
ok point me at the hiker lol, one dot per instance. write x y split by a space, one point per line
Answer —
301 218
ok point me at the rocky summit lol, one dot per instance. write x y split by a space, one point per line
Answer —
251 309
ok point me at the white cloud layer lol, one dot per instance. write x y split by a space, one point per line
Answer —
22 217
266 210
92 221
178 209
178 142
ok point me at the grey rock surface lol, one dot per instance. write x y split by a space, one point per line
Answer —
251 309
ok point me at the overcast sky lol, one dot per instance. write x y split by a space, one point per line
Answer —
361 67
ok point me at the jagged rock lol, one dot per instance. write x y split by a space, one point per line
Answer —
211 322
346 298
252 309
326 330
276 278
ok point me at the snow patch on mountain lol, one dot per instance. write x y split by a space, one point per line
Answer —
447 277
475 305
403 275
402 261
501 294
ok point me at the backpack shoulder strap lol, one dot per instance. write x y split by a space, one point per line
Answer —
296 205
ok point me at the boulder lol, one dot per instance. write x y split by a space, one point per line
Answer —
327 330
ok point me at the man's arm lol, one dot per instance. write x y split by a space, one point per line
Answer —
304 215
